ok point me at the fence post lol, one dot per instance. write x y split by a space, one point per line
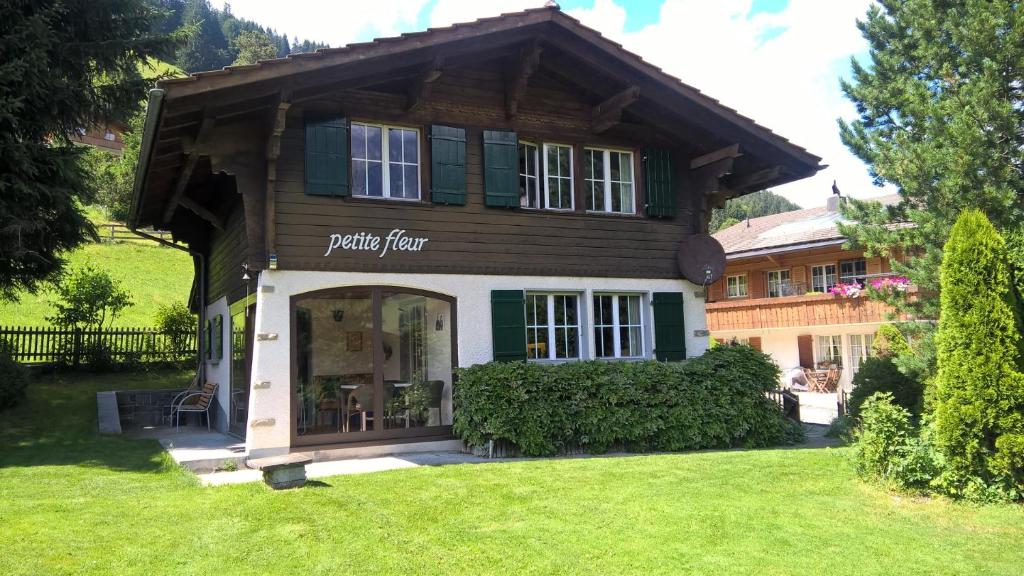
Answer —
76 347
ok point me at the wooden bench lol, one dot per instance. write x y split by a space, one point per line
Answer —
280 472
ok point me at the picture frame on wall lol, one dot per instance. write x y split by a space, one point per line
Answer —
354 341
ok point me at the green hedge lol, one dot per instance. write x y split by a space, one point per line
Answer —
715 401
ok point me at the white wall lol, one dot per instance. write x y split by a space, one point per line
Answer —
219 371
269 406
781 343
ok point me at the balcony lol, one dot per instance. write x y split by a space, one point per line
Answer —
796 307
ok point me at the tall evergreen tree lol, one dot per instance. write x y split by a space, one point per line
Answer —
979 393
66 65
941 117
253 46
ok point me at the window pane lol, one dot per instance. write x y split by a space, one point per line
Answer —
358 178
626 200
626 167
358 141
561 349
395 180
410 146
565 196
395 145
606 341
373 142
552 154
375 176
616 197
570 310
563 161
614 166
572 345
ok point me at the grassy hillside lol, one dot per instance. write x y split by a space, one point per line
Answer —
154 275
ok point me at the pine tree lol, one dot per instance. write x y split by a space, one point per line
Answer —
750 206
941 117
979 394
65 66
253 46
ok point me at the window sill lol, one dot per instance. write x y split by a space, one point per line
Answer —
387 199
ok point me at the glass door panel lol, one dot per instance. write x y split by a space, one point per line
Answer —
335 376
241 347
417 365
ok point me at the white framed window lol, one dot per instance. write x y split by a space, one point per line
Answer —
851 271
778 283
529 176
823 277
618 326
552 326
860 349
830 350
608 180
736 286
385 161
558 181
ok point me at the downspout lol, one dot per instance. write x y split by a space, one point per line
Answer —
154 110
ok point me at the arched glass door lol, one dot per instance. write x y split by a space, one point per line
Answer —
372 363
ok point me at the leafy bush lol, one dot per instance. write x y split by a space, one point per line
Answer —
887 447
840 427
715 401
13 378
882 375
88 298
180 323
889 342
979 394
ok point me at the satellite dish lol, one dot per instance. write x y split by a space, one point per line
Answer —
701 259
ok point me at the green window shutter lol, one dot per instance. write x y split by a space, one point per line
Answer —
508 325
207 344
448 165
661 197
501 169
669 330
327 156
218 336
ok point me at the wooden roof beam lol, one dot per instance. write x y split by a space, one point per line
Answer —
609 113
519 77
201 211
424 84
192 151
732 151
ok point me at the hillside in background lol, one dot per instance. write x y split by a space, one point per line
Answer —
154 275
214 42
750 206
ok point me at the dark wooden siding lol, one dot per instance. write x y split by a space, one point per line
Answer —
474 238
224 262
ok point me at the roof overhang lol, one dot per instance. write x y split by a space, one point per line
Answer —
770 251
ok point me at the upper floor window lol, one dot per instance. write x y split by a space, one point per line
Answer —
552 326
778 283
608 176
823 277
736 286
618 326
529 180
558 180
385 162
853 271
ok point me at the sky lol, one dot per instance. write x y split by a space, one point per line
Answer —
776 61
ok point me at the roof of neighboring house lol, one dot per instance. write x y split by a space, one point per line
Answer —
786 231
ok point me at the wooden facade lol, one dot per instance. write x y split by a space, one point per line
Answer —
800 304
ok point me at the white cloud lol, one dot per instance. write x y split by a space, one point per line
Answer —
336 22
448 12
779 69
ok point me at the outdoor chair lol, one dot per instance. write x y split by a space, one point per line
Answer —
831 383
196 402
815 379
193 387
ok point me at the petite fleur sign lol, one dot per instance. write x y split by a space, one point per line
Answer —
396 240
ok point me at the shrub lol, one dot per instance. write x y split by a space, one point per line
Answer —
180 323
887 447
715 401
882 375
889 342
979 394
13 378
88 298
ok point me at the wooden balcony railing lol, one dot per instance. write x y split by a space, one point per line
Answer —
793 312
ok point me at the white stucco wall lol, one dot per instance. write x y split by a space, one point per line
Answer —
781 343
269 430
219 371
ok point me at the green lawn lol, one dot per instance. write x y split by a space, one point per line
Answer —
153 275
72 502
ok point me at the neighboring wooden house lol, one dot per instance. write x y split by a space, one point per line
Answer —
365 219
108 137
776 293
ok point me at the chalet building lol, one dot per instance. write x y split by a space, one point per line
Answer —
777 291
108 137
366 219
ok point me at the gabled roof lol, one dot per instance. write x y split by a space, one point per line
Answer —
786 231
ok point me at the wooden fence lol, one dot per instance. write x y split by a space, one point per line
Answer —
50 345
117 232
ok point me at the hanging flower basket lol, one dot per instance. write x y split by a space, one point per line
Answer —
847 290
